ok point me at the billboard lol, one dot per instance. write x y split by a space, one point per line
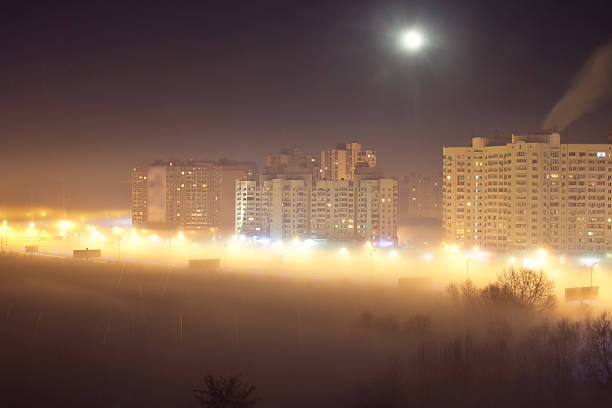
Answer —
205 264
86 253
31 249
581 293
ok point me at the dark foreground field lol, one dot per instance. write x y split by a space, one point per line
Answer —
97 335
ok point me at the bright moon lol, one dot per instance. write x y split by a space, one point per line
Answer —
411 40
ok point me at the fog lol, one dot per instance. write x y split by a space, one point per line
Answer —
96 334
354 263
308 323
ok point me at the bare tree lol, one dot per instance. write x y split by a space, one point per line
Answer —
466 291
225 392
528 287
597 351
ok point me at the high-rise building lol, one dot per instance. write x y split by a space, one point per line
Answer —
339 163
139 197
291 161
420 196
187 195
293 205
230 172
291 158
529 192
248 208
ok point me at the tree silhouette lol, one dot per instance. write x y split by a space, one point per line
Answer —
521 287
225 392
597 351
529 287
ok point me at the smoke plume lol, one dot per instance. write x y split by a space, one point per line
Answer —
591 87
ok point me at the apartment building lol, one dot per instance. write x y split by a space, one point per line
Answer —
339 163
420 197
139 197
290 158
187 195
294 205
248 208
528 192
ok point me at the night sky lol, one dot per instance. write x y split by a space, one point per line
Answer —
89 91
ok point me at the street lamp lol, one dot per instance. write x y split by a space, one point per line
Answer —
593 265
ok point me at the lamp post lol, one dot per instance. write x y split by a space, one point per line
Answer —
371 251
593 266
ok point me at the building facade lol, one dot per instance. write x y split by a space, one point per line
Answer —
139 197
296 206
187 195
420 197
529 192
339 163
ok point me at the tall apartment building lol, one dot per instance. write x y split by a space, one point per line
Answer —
420 197
529 192
291 158
139 197
187 195
293 205
291 161
339 163
248 208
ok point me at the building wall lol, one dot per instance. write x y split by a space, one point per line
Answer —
187 195
139 197
420 197
530 192
290 209
339 163
248 208
227 204
336 210
333 210
376 209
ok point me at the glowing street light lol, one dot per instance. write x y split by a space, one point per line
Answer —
64 225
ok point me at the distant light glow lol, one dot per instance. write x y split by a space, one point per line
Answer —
411 40
65 225
587 261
